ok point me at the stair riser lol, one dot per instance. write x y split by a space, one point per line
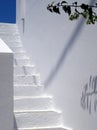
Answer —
24 70
8 30
8 26
34 79
22 62
20 55
28 91
38 119
10 37
18 49
10 41
32 104
45 128
15 45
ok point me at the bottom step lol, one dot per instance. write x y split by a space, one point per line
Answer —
34 119
45 128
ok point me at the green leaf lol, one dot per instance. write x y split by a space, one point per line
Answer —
85 14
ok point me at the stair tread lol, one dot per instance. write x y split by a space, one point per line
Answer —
46 128
32 97
38 111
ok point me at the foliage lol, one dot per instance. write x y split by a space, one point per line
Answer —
75 10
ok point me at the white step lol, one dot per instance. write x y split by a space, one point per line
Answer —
28 119
13 44
22 61
6 33
20 55
28 90
46 128
8 27
27 79
32 103
18 48
8 39
24 70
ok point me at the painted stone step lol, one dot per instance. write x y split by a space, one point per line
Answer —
6 33
24 70
20 55
10 41
29 119
8 27
33 103
9 36
22 61
27 79
18 49
46 128
28 90
14 45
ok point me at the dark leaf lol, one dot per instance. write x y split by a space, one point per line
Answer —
58 4
49 8
77 11
75 3
90 12
56 9
65 8
69 10
63 2
84 6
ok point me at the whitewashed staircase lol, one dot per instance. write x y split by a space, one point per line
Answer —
33 109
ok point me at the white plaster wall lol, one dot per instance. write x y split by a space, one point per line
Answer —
66 52
6 87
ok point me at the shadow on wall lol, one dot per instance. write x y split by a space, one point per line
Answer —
65 51
15 124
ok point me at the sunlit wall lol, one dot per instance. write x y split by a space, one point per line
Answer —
65 54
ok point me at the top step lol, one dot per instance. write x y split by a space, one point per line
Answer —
8 27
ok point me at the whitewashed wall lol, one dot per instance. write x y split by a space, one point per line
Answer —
6 87
65 53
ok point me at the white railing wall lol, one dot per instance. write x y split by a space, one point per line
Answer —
6 87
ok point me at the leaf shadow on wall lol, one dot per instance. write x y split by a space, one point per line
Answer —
65 51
